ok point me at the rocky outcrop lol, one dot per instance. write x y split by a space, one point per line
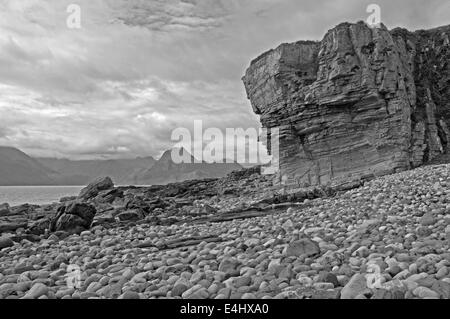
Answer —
73 218
360 103
93 189
4 209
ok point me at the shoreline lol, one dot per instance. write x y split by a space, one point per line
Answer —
237 237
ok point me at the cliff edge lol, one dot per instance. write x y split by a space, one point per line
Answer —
363 102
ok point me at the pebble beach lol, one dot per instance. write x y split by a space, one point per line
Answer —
388 239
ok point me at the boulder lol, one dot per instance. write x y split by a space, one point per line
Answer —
4 209
140 203
92 190
39 226
355 287
73 217
109 195
103 220
71 224
302 247
6 242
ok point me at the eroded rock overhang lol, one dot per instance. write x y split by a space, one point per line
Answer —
360 103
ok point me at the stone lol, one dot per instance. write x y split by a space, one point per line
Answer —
93 287
6 242
329 278
424 292
251 242
356 286
36 291
179 289
382 294
442 272
7 226
111 291
447 229
285 272
73 217
229 266
4 210
393 270
92 190
302 247
201 293
131 215
326 294
345 111
323 285
129 295
428 219
288 224
241 281
442 288
6 289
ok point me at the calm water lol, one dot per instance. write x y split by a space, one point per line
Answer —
17 195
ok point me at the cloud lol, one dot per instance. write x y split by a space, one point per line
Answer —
166 16
137 69
4 132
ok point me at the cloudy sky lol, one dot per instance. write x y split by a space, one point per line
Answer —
137 69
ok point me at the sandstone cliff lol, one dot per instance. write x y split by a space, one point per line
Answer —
360 103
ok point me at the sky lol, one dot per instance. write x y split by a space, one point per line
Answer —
136 70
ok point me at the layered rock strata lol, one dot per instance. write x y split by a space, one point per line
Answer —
360 103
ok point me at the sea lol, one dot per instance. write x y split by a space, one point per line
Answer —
39 195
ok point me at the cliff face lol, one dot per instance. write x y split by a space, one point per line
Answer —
360 103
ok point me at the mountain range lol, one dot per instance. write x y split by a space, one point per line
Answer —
19 169
165 170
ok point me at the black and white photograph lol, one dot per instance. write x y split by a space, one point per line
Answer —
228 158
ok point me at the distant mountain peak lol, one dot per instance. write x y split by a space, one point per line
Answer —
17 168
167 170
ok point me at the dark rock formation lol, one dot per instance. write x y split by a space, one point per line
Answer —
73 217
11 226
39 227
360 103
92 190
4 210
131 215
5 242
